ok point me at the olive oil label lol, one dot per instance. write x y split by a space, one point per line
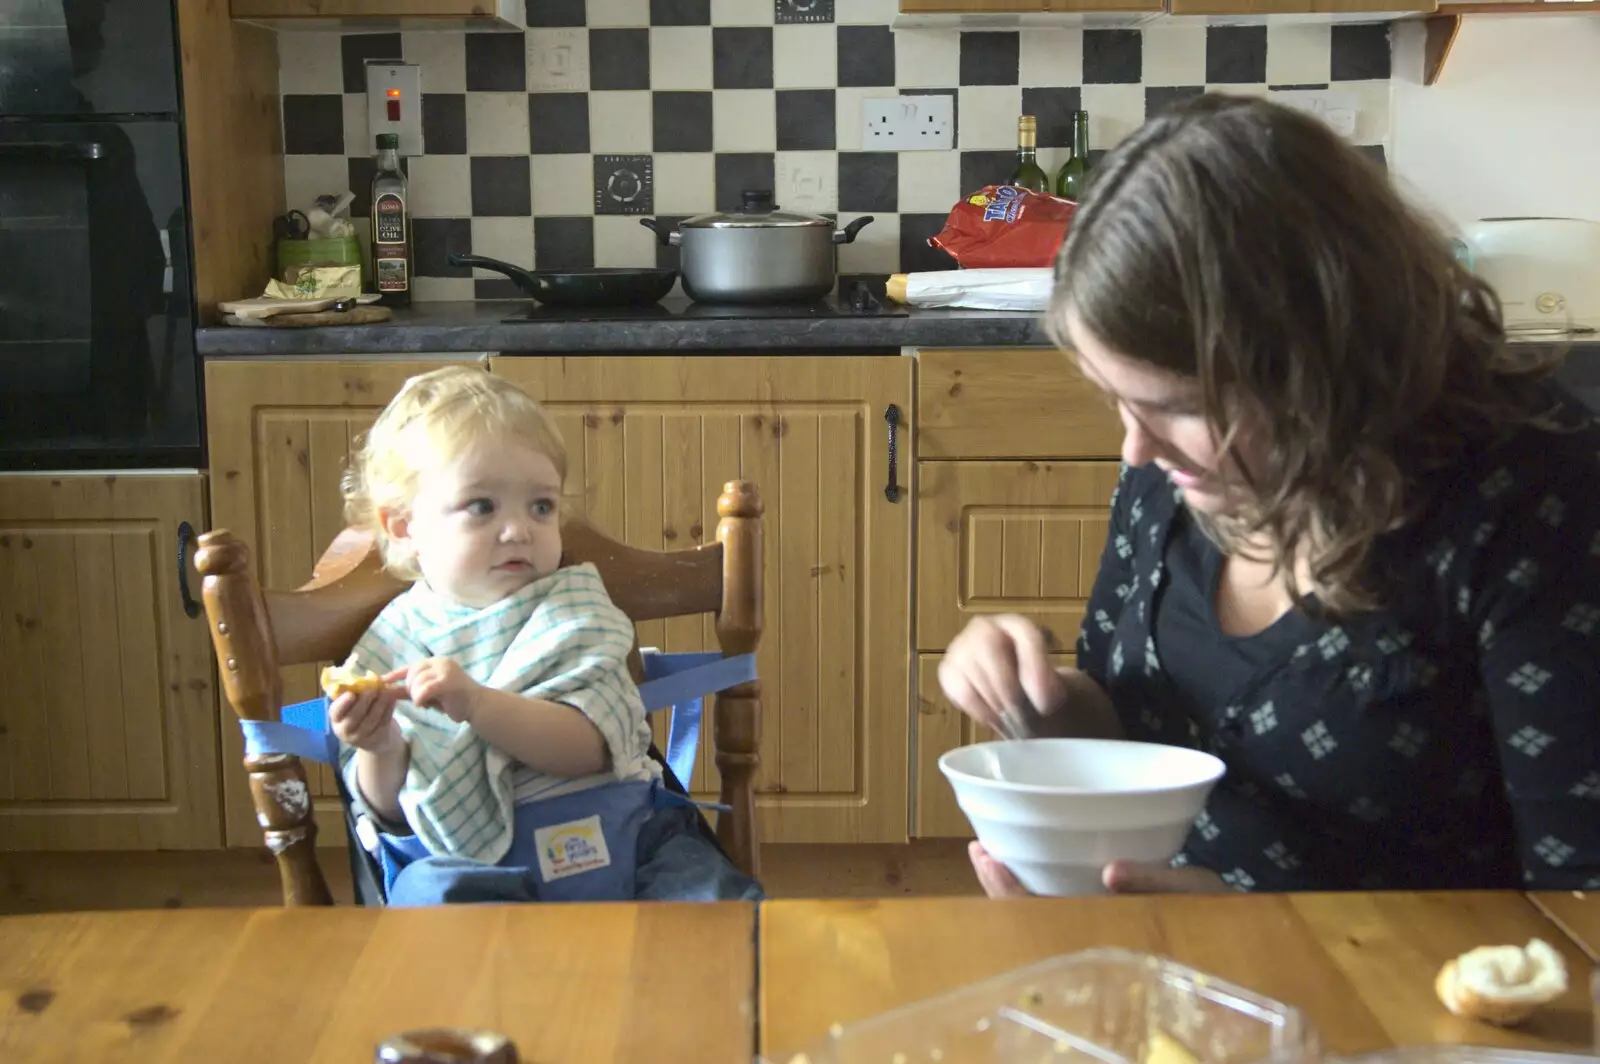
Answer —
389 215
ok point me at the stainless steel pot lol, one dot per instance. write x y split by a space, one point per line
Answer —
758 253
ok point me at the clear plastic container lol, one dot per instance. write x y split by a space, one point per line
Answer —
1450 1054
1104 1006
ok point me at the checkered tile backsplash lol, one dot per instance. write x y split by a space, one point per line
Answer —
546 147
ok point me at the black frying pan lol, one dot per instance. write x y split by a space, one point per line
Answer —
580 288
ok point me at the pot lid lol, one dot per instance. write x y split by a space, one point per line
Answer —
756 212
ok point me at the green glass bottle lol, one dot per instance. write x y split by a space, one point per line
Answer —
1073 177
1029 174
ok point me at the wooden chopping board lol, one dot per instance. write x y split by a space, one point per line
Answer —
354 316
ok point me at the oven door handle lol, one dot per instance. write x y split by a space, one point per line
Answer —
54 150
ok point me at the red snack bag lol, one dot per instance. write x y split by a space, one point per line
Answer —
1005 226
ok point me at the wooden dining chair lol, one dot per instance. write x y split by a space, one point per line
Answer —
256 633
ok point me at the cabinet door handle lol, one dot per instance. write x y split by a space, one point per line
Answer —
186 536
892 490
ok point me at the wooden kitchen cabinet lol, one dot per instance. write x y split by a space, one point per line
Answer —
1028 402
652 440
279 436
108 735
1023 7
441 14
1332 8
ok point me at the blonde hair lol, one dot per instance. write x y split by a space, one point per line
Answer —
435 417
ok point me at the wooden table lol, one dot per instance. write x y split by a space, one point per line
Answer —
570 984
1576 913
1360 965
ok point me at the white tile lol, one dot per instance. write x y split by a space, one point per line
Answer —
876 249
805 56
744 120
442 57
618 12
865 12
847 114
807 181
562 184
741 12
1051 58
930 181
1255 89
619 240
310 63
497 123
357 141
619 122
686 182
680 58
927 59
1372 99
441 186
305 177
1298 54
442 289
558 60
1176 55
507 239
986 117
1114 112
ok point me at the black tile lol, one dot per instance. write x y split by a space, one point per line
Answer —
866 55
806 120
496 288
790 12
500 186
915 254
619 59
1360 53
1158 98
496 62
558 122
556 12
360 170
436 239
444 123
680 12
563 243
624 184
955 107
356 48
1375 153
313 125
1096 157
1113 57
1315 86
870 180
681 121
741 57
1236 55
739 171
667 256
979 168
990 58
1053 108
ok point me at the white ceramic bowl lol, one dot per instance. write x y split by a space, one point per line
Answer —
1055 811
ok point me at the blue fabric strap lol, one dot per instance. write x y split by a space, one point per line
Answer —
303 732
681 682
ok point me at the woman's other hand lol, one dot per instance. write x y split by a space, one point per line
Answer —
1119 877
996 667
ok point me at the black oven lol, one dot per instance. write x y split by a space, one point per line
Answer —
97 362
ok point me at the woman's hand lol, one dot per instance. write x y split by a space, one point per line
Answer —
997 666
1119 877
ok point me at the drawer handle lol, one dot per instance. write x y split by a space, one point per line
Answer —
892 416
191 608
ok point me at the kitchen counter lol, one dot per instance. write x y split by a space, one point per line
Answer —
676 325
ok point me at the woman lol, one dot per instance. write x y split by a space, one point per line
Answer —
1355 548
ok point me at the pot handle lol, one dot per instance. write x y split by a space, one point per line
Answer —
667 238
848 234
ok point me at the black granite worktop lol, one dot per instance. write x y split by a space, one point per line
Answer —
675 326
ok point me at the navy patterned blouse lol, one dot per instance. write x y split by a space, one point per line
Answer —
1450 740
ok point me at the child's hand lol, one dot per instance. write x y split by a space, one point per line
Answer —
439 683
365 720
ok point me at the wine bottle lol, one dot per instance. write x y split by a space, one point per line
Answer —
1028 173
1073 177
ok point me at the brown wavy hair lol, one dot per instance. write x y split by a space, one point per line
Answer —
1244 244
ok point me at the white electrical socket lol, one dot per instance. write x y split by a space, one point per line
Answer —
908 123
394 105
1335 108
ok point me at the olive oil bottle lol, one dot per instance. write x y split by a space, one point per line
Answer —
392 252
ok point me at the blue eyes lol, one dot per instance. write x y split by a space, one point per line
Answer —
486 507
544 507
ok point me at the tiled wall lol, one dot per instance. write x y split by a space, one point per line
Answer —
546 147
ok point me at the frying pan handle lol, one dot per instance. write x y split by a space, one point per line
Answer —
848 234
525 280
666 237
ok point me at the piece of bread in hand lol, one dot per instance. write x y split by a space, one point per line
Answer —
349 678
1502 985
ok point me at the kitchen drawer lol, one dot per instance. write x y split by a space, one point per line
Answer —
1028 402
1008 537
